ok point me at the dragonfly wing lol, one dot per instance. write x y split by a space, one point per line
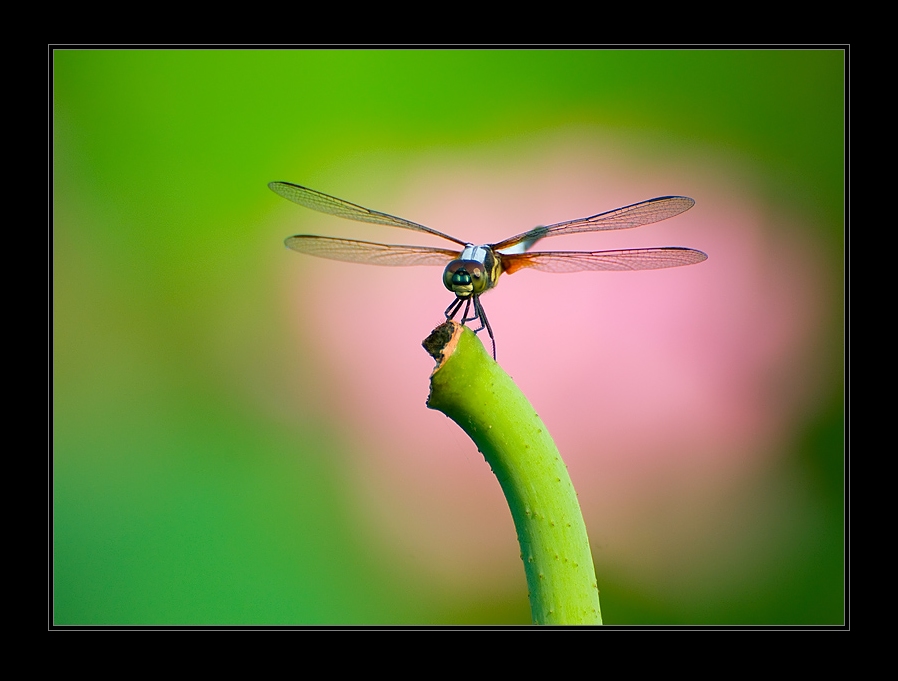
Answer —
344 209
636 215
369 253
576 261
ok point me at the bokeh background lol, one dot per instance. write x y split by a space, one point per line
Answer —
240 433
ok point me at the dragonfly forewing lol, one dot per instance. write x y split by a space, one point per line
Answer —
635 215
331 205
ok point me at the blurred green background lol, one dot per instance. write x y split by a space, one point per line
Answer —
194 479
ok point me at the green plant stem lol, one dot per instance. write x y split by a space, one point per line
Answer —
473 390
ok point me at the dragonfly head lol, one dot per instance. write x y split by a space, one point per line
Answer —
475 271
466 278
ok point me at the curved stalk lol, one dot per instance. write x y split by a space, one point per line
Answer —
469 387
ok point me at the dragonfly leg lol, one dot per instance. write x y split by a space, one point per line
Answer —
478 315
465 317
484 322
453 309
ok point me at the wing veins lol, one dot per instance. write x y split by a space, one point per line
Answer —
634 215
331 205
582 261
371 253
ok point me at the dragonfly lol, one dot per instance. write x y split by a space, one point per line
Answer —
472 270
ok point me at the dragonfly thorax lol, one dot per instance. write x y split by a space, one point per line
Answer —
475 271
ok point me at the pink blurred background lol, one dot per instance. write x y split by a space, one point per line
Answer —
669 393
